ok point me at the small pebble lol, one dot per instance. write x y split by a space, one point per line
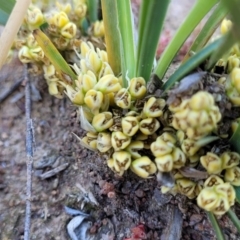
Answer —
139 193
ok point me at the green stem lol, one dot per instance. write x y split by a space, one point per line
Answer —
199 10
215 226
234 219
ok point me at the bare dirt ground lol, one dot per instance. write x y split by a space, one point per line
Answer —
81 178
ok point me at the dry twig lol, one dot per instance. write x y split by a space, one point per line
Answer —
29 151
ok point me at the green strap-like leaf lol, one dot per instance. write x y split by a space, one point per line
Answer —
112 34
233 36
125 24
3 17
237 191
234 219
234 140
192 63
200 9
152 15
224 47
215 226
209 28
54 56
7 5
93 9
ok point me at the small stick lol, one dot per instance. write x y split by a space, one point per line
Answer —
29 151
14 87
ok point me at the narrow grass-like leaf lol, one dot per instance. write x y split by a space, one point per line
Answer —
237 191
208 29
192 63
112 34
7 5
152 17
234 219
233 35
54 56
234 9
215 226
234 140
199 10
125 23
12 26
93 9
3 17
224 47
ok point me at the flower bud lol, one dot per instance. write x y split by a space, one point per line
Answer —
60 19
226 25
120 140
207 199
24 55
76 97
102 121
37 54
104 142
88 81
186 186
137 88
103 56
153 107
235 78
164 163
69 30
34 18
149 125
98 29
105 70
80 10
110 163
92 143
93 99
226 189
168 138
230 159
53 88
61 43
160 148
123 99
212 163
143 167
85 48
93 62
191 147
134 147
213 180
122 161
179 158
232 175
130 125
201 100
107 84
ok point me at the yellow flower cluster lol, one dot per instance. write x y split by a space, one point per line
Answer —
167 155
231 65
122 136
197 116
216 196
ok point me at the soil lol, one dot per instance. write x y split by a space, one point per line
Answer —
66 174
